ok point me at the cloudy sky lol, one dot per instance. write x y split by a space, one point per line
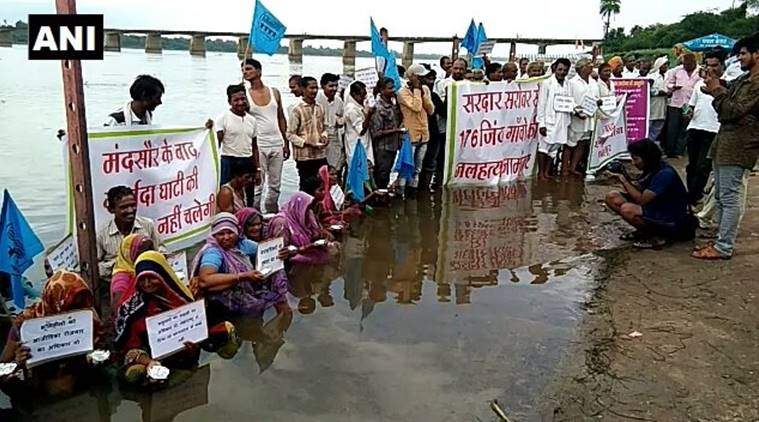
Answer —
502 18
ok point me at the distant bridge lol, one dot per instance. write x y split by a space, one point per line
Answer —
153 43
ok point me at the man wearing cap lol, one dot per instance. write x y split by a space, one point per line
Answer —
415 101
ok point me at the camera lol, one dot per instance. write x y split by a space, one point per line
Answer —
616 167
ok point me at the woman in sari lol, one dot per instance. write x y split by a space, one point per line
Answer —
329 213
315 245
157 289
123 271
64 292
224 275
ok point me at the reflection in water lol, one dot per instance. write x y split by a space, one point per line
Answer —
464 297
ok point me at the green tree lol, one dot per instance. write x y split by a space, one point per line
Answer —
609 8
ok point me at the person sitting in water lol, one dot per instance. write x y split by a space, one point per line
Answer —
315 245
155 289
232 196
329 213
657 204
252 227
63 292
123 271
224 275
122 203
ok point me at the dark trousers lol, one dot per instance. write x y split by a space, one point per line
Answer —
309 168
383 166
674 139
699 166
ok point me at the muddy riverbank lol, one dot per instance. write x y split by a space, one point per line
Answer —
697 357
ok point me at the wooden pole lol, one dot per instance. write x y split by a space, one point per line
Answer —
79 160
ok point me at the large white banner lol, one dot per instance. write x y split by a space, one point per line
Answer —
173 172
492 132
609 140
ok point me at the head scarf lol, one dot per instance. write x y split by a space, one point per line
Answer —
225 221
616 62
63 292
244 217
233 260
132 310
327 203
659 63
302 222
128 252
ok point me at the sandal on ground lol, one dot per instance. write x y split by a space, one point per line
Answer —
652 243
703 246
709 253
635 235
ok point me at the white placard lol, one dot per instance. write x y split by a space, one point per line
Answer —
609 104
486 48
58 336
338 196
64 255
343 82
609 138
178 262
369 77
267 260
168 331
589 106
563 104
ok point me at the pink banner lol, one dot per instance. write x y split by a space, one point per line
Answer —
636 111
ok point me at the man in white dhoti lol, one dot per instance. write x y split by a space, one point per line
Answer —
554 115
582 86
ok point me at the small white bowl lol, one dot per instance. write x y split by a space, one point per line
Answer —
7 368
100 356
158 372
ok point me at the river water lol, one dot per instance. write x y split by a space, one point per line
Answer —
439 304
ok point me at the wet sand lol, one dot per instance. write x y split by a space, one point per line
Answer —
697 358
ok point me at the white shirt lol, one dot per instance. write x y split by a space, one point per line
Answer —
658 107
580 89
556 123
627 74
733 70
332 112
354 122
239 132
704 116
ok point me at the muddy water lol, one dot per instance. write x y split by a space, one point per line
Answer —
437 306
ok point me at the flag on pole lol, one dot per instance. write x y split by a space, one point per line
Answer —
266 31
470 39
358 172
477 62
380 50
18 246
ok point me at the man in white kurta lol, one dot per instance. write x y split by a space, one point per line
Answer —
582 85
553 124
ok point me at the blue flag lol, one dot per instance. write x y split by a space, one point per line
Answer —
18 246
380 50
470 39
266 31
404 166
358 172
477 62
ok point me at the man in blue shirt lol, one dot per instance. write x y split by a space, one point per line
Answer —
656 204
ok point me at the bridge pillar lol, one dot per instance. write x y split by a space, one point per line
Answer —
153 43
198 45
349 58
6 38
244 50
112 41
513 52
408 54
295 52
542 48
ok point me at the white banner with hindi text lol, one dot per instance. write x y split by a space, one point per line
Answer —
492 132
173 172
609 140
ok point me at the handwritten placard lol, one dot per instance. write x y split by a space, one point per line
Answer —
178 262
58 336
563 104
369 77
343 82
589 106
338 196
64 256
486 48
609 104
168 331
267 259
